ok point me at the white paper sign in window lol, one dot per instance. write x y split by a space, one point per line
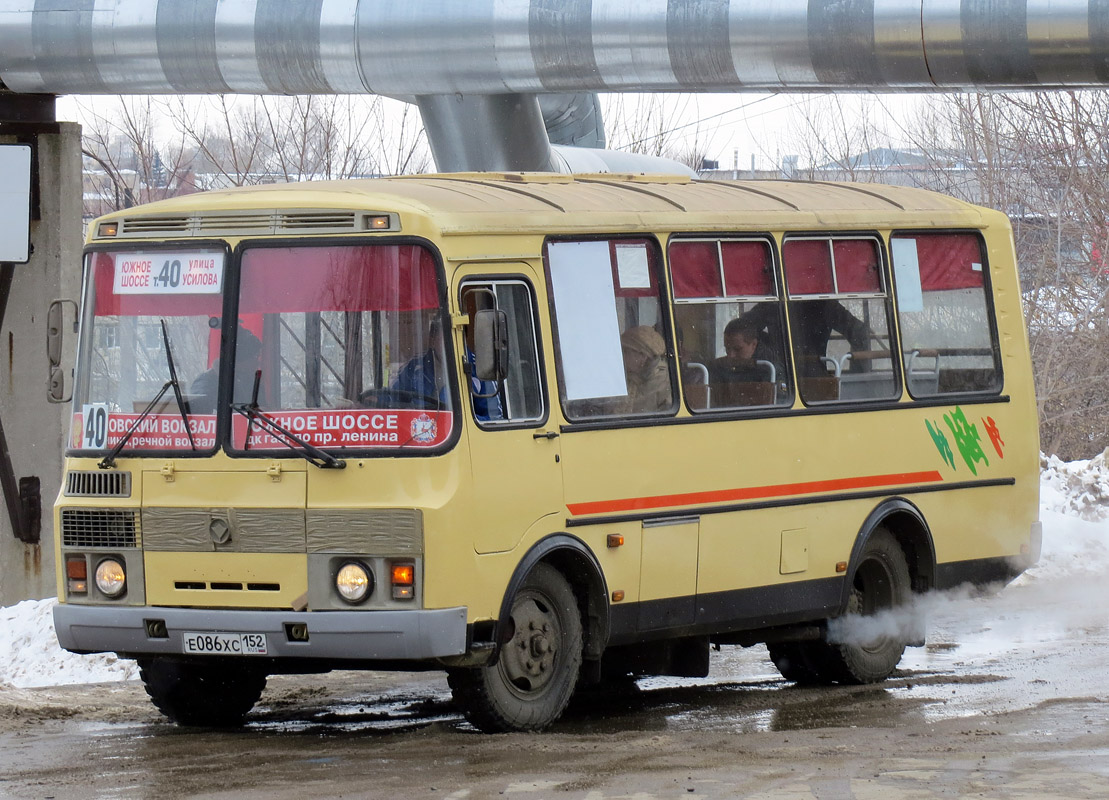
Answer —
168 273
906 266
588 329
632 267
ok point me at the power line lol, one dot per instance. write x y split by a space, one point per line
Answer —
699 121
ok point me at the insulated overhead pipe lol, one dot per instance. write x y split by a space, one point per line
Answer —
443 47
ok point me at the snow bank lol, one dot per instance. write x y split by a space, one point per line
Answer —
1074 502
30 654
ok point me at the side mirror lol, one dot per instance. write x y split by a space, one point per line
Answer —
490 345
55 340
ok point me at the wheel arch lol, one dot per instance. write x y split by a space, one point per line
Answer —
580 567
907 525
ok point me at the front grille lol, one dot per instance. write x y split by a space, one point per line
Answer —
97 483
99 528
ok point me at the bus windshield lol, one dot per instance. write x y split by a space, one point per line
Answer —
135 303
343 346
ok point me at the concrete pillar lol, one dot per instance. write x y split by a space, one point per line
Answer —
35 428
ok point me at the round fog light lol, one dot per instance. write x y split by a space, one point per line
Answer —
354 582
111 579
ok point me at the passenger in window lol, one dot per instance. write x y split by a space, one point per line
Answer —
646 370
813 322
739 363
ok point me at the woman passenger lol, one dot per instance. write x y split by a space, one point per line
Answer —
646 370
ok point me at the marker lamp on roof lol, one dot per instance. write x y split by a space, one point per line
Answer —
107 229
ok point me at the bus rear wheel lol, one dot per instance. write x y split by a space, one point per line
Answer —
531 682
858 653
215 695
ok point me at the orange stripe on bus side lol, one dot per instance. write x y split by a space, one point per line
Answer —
753 493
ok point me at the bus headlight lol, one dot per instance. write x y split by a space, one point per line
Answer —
111 578
354 582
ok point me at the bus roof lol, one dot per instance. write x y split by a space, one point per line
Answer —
462 203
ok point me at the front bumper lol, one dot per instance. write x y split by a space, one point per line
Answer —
353 635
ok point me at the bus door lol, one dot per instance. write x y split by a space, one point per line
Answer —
514 450
617 378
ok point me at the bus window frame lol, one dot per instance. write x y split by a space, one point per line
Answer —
230 279
780 298
537 343
448 346
894 331
991 315
615 420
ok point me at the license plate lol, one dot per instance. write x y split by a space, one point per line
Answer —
225 644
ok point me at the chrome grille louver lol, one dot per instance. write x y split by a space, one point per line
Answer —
97 483
99 528
244 224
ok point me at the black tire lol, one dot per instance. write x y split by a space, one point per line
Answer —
536 669
881 583
214 695
793 660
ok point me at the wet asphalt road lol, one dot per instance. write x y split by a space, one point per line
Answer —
1007 700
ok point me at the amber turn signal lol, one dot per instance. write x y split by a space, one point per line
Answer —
403 574
616 540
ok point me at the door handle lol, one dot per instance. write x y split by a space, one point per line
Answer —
545 435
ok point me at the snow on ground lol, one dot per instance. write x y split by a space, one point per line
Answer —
30 655
1074 508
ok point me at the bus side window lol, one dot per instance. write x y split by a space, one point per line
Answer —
943 304
519 397
839 323
614 358
730 326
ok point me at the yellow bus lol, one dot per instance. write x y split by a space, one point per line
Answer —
539 431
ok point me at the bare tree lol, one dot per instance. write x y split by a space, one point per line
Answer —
266 139
1044 160
132 160
150 148
658 125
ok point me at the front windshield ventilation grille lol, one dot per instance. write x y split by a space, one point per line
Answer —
99 528
151 226
252 223
317 220
97 483
241 223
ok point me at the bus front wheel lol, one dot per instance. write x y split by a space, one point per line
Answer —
216 694
536 670
866 644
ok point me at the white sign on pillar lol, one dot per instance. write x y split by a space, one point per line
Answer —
15 203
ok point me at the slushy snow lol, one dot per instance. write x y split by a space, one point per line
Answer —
1074 508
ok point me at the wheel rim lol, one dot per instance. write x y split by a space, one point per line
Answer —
529 661
873 593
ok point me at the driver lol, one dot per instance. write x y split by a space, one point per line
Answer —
425 376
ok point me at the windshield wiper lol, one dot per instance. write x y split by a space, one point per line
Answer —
109 460
309 452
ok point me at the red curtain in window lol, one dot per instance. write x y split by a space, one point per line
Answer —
947 261
808 266
857 265
695 269
368 278
747 269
